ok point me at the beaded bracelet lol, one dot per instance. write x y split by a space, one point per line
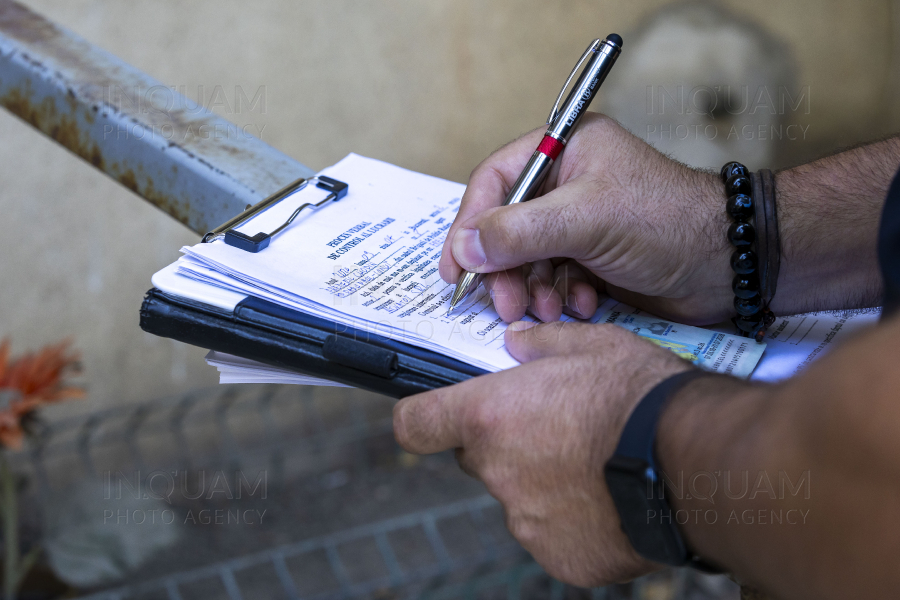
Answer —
756 258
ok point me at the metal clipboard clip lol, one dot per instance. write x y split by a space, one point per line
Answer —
261 240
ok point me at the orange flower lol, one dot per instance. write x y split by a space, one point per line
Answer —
28 382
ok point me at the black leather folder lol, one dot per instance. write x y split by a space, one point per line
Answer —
277 336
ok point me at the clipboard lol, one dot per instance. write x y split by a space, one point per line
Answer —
203 315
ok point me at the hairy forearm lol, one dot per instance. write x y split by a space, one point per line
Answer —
807 473
828 213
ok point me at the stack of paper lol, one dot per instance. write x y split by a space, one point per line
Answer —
234 369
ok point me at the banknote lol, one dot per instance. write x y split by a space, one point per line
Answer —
711 350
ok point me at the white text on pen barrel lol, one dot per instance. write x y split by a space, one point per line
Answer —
585 98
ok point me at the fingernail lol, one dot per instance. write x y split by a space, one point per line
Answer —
467 249
521 325
572 303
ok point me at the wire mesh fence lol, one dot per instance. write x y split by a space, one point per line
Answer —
279 492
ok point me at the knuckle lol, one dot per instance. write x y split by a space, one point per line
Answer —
523 529
545 222
504 233
555 223
467 463
499 484
535 231
481 420
519 231
484 169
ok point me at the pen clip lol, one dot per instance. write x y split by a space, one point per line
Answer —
592 47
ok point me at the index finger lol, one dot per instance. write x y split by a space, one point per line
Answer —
488 186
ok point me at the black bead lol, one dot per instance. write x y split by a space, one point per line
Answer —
731 169
743 262
748 306
745 286
740 207
741 234
739 184
749 324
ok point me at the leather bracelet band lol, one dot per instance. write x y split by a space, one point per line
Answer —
768 245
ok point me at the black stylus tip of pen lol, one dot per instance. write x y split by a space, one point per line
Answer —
615 38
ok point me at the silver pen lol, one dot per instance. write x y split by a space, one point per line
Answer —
601 55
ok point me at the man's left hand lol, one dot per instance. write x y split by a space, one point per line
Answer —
539 435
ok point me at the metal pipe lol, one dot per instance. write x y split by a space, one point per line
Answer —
196 166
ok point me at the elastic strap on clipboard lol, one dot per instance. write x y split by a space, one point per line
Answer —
260 241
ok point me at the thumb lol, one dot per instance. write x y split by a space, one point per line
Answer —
527 342
554 225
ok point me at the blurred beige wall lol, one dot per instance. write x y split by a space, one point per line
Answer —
432 85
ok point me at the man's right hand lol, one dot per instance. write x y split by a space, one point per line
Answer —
619 217
616 217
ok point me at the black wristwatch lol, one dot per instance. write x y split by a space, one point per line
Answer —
633 478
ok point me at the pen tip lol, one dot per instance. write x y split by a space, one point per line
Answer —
615 38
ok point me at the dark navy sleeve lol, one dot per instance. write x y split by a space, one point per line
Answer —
889 247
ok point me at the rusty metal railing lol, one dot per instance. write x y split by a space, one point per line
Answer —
196 166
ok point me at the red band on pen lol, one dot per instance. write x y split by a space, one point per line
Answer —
551 147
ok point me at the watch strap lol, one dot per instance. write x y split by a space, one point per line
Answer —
638 439
637 444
